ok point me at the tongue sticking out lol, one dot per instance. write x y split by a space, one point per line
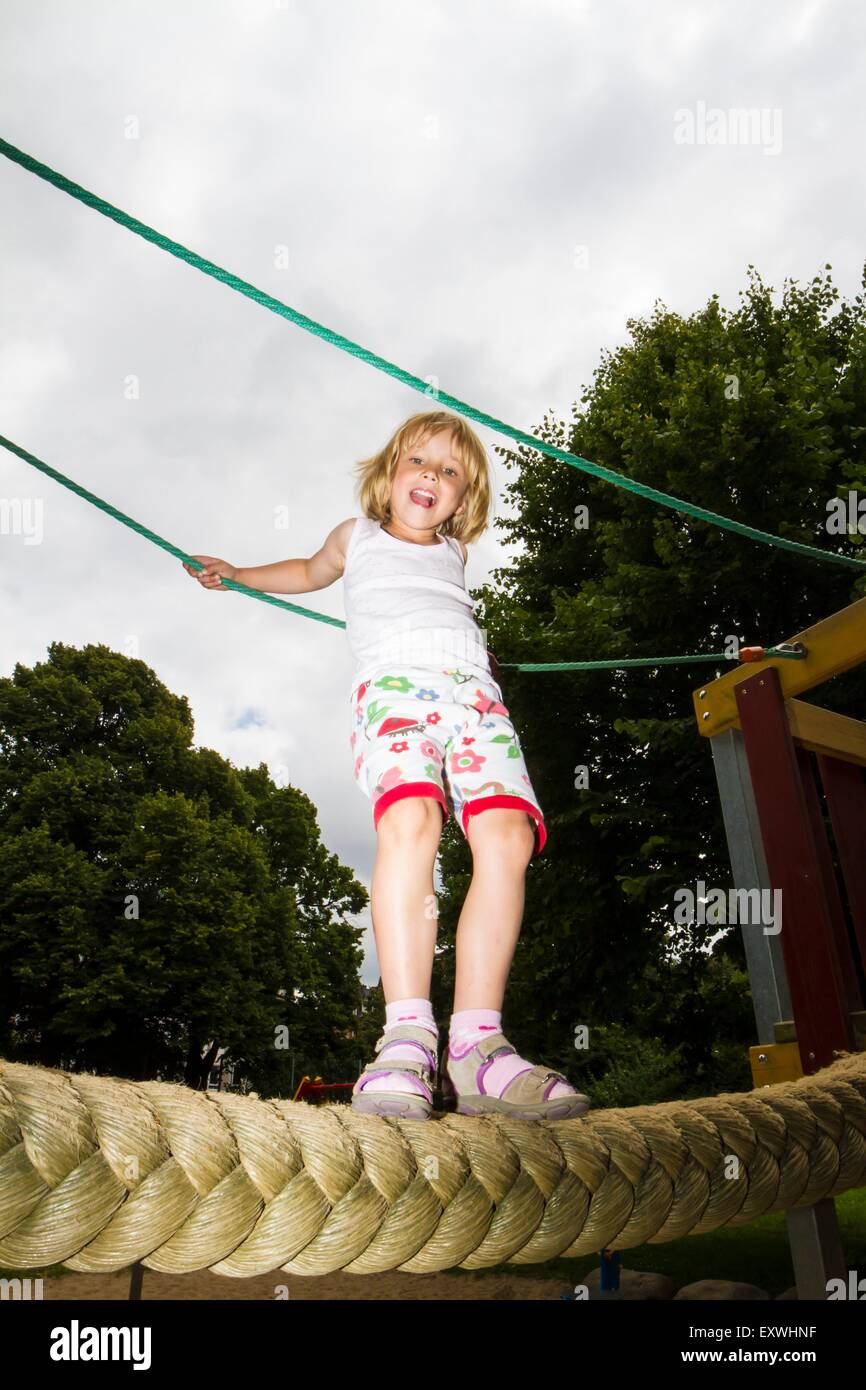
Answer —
422 499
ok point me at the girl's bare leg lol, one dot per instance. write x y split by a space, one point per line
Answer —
502 841
402 900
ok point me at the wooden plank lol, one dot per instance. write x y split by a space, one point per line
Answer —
833 645
822 731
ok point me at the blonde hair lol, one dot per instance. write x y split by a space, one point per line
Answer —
376 473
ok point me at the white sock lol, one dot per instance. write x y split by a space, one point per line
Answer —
418 1013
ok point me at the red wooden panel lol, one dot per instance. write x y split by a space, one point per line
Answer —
808 941
845 789
841 939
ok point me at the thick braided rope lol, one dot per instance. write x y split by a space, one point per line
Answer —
97 1172
276 306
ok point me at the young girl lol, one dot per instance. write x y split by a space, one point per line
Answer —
430 734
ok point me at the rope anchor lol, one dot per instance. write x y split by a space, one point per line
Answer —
792 651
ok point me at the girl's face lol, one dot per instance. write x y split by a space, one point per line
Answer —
429 485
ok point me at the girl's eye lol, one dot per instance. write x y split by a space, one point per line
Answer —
449 469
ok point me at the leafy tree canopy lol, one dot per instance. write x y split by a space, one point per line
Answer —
156 903
758 414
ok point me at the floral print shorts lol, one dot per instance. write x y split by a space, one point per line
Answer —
444 734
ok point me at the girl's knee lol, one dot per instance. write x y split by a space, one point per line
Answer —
502 831
411 818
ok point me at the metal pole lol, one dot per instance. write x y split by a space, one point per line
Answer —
813 1232
770 994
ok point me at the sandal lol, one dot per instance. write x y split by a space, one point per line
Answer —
414 1099
527 1092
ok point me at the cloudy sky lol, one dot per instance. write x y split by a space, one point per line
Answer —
483 193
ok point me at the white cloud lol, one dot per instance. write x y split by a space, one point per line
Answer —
430 169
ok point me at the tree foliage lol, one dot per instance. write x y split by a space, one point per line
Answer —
157 903
758 414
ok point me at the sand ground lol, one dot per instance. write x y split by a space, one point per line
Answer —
203 1285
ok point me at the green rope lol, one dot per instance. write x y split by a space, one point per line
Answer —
136 526
276 306
158 540
625 662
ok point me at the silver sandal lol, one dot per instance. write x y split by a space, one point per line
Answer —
525 1096
414 1104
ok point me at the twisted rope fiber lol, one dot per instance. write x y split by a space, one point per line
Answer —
98 1172
276 306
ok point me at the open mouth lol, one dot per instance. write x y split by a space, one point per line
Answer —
422 498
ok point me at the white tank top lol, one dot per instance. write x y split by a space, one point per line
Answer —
408 603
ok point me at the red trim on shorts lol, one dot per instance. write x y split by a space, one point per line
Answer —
484 803
410 789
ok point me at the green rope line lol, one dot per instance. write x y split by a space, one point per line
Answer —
158 540
500 427
141 530
625 662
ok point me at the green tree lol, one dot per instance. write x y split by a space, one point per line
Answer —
157 904
758 414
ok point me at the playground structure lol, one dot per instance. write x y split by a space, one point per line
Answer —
100 1173
808 980
314 1089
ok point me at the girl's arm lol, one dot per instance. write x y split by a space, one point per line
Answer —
327 565
284 576
303 576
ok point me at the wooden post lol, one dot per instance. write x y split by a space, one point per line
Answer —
814 946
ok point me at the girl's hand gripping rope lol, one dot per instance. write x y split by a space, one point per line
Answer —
214 572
